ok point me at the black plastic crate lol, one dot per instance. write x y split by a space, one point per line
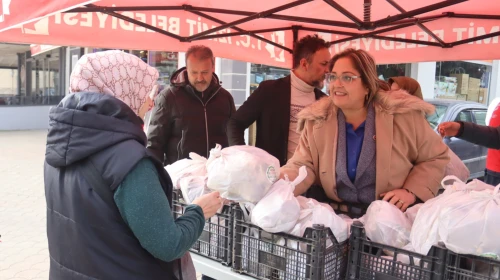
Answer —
216 240
280 256
466 267
352 210
367 260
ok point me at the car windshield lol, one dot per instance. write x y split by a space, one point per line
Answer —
436 118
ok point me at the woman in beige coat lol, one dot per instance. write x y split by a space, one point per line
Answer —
362 143
455 167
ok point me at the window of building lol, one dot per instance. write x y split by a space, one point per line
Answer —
386 71
261 72
43 79
166 63
8 85
463 80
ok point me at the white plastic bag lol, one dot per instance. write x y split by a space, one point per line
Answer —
279 210
456 167
193 187
385 223
196 166
411 213
312 212
241 173
424 233
478 212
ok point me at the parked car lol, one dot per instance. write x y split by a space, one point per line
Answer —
472 155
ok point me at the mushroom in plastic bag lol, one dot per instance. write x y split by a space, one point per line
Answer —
313 212
193 187
195 166
385 223
242 173
279 210
476 211
425 230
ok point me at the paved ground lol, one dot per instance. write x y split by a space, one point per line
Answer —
23 243
23 247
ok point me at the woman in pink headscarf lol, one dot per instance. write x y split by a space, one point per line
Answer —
108 199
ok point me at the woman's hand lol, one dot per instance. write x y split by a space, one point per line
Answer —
209 203
401 198
448 129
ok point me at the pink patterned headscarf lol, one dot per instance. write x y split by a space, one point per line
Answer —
122 75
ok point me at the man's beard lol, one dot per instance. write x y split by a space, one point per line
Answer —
202 85
318 84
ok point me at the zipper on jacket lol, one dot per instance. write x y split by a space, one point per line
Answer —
179 146
206 118
206 129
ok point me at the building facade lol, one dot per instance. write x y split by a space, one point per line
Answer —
34 78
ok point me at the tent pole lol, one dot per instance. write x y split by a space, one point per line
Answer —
244 32
367 11
140 23
419 11
413 20
263 14
101 9
477 38
496 17
343 33
241 31
295 32
419 24
345 12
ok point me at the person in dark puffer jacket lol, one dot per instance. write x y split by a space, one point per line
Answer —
108 198
192 114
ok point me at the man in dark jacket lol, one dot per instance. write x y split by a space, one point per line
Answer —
274 105
192 114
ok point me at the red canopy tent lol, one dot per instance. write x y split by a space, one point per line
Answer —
264 31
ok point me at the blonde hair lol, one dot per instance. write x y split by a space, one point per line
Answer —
365 64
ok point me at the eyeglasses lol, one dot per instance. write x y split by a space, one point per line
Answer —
344 79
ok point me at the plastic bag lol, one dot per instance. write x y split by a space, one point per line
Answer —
424 233
241 173
456 167
411 213
193 187
279 210
312 212
385 223
196 166
477 211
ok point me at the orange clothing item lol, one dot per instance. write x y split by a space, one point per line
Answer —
493 159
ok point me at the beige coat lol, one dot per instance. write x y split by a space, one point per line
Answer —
409 153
